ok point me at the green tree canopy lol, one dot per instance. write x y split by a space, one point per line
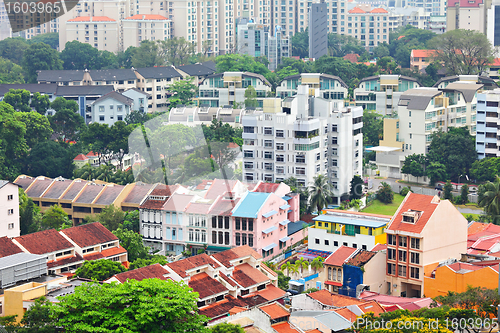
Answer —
384 193
176 51
67 122
132 242
50 38
356 190
13 49
77 55
490 199
39 56
300 44
30 217
37 127
227 328
99 270
54 217
182 92
251 97
320 193
13 145
414 165
447 195
19 99
373 127
147 55
155 259
50 159
485 169
10 72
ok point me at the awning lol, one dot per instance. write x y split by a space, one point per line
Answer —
217 248
284 239
270 246
268 230
331 283
285 222
269 214
286 197
285 207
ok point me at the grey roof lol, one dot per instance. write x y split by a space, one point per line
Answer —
83 90
331 319
3 183
138 90
60 75
418 98
468 89
452 78
210 64
196 70
158 72
18 259
31 87
117 96
112 75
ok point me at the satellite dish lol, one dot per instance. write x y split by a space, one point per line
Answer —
394 285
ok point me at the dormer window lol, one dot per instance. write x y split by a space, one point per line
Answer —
411 216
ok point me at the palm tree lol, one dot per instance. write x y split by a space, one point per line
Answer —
271 265
384 193
294 268
317 263
302 264
319 192
106 172
87 172
491 199
286 266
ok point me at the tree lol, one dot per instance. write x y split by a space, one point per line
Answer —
155 259
302 264
480 299
99 270
176 51
283 281
356 191
455 149
251 97
340 45
54 217
37 127
463 51
147 55
490 200
12 142
40 103
106 60
182 92
382 50
150 305
464 194
120 133
300 44
317 264
286 267
77 55
39 318
132 242
111 217
373 126
66 123
37 57
320 192
50 159
124 58
13 49
29 214
436 172
414 165
19 99
227 328
384 193
447 195
485 169
10 72
49 38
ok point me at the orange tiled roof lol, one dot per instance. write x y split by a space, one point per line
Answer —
340 255
7 247
266 187
89 234
92 19
155 271
325 297
274 311
371 306
237 309
422 53
181 266
65 260
476 227
267 269
271 293
284 327
357 10
146 17
247 276
235 253
316 330
221 308
80 157
205 286
424 203
347 314
42 242
379 247
379 11
92 154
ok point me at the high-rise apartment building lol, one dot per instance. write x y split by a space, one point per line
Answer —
370 26
145 27
318 30
302 138
100 32
487 137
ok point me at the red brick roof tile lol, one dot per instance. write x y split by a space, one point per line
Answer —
284 327
325 297
266 187
247 276
86 235
80 157
379 247
340 255
42 242
181 266
206 286
155 271
237 309
274 311
361 258
235 253
229 280
221 308
271 293
413 201
220 186
357 10
347 314
7 247
65 260
371 306
422 53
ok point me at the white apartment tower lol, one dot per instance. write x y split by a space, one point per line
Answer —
9 209
487 138
302 138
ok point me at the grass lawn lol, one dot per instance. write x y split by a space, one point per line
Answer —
378 207
475 217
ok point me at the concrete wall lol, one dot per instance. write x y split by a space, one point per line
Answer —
9 211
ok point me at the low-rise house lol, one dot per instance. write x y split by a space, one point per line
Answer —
80 160
139 98
396 302
84 96
154 81
365 270
419 59
111 108
64 77
198 72
333 271
196 116
327 86
120 79
9 209
155 271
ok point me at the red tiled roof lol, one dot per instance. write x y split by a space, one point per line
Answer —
153 204
357 10
352 57
7 247
463 266
42 242
379 11
181 266
92 154
205 286
146 17
235 253
274 311
247 276
404 302
223 206
476 227
203 185
284 327
347 314
325 297
155 271
65 260
379 247
164 190
221 308
391 308
496 62
226 278
237 309
371 306
218 187
86 235
92 19
270 271
197 208
271 293
361 258
422 53
80 157
266 187
340 255
413 201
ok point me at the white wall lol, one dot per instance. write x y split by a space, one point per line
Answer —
9 223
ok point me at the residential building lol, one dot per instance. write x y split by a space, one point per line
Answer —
437 24
15 297
46 89
392 303
332 272
229 88
80 160
304 137
111 108
20 266
434 8
154 81
318 30
155 271
423 232
341 228
141 27
257 40
138 97
93 242
198 72
364 270
328 86
9 209
487 144
419 59
196 116
370 26
84 96
493 71
64 77
120 79
101 32
381 93
60 253
487 82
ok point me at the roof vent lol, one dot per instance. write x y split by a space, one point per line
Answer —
411 216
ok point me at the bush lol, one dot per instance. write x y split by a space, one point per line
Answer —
310 290
404 191
186 253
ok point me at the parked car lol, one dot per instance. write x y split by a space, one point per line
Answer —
439 187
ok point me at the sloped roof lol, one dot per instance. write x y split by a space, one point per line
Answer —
250 205
467 89
413 201
225 257
220 186
68 91
206 286
112 75
42 242
378 11
274 311
361 258
220 308
7 247
418 98
340 255
347 314
266 187
86 235
43 89
38 187
247 276
57 188
325 297
371 306
357 10
223 206
116 96
155 271
181 266
422 53
160 72
196 70
138 193
62 75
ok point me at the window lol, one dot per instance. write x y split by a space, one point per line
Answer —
248 153
101 118
280 146
10 197
226 238
238 239
327 242
300 159
391 269
402 270
335 243
415 243
415 258
316 240
391 254
268 155
268 143
391 240
300 171
226 222
214 221
11 225
250 240
101 108
280 133
402 241
10 211
414 273
214 237
237 223
402 255
268 131
220 220
280 158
